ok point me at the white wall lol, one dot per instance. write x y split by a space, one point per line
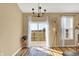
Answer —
10 28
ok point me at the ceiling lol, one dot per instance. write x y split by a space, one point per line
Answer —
50 7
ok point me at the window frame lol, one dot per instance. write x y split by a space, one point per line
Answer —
62 28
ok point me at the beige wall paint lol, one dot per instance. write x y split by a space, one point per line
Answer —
10 28
51 17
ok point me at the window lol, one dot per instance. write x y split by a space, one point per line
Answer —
34 26
38 26
67 27
38 30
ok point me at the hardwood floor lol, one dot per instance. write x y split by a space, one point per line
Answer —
22 52
59 51
54 51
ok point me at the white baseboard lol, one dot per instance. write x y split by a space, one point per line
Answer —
16 52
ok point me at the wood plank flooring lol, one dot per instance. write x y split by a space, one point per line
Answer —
55 51
22 52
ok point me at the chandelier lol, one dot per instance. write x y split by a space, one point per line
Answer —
39 13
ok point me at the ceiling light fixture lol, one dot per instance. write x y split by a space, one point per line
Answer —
39 13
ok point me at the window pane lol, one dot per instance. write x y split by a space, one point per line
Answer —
42 26
33 26
67 27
